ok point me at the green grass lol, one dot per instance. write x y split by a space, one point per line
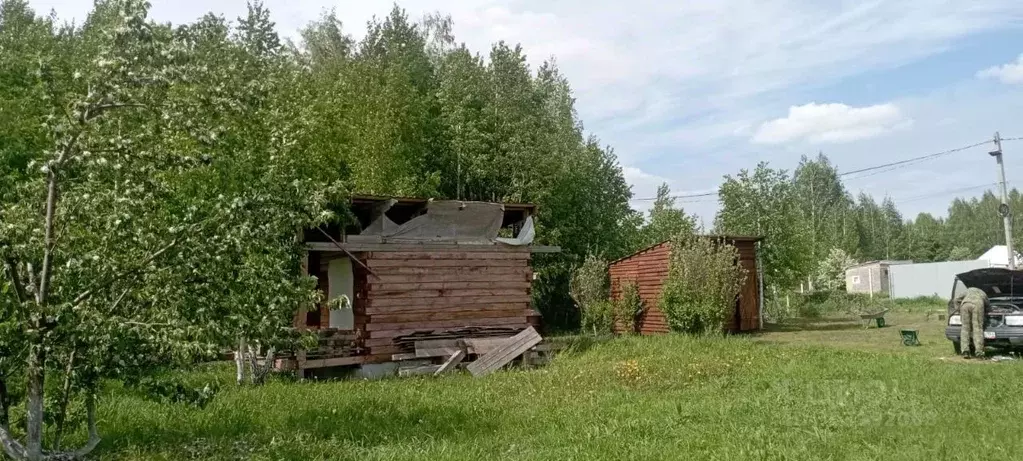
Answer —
822 390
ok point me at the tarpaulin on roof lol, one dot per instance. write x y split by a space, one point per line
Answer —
451 221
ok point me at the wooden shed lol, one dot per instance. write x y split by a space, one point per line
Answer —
417 269
649 267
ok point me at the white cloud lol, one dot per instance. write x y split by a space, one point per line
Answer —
1010 74
833 123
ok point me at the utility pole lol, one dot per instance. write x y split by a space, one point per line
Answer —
1004 209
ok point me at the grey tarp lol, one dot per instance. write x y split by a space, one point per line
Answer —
525 236
451 221
380 224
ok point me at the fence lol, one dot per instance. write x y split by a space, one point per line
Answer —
928 279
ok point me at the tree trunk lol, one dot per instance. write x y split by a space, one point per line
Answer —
239 361
36 375
90 415
5 405
65 398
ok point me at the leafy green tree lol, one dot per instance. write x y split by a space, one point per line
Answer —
665 219
830 275
763 203
960 253
824 207
928 241
174 176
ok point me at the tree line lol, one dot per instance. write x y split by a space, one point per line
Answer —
808 215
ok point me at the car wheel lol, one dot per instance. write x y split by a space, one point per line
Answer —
957 347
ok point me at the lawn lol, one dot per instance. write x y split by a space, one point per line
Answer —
818 390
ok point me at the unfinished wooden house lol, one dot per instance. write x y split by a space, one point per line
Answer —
418 269
649 267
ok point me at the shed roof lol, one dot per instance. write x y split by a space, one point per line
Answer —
734 238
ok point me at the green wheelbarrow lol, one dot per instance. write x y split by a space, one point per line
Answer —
874 317
909 337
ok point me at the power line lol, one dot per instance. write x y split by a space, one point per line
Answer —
873 170
915 159
944 192
685 196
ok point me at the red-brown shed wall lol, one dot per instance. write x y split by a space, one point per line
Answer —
649 267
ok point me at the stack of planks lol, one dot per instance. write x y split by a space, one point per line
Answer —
407 343
492 354
442 291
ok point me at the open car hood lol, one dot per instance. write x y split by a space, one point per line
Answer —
994 281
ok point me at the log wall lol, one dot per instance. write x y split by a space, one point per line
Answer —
440 289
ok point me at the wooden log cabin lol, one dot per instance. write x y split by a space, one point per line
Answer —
649 267
417 268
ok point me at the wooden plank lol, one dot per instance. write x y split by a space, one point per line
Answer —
482 346
334 362
451 362
491 283
381 263
441 324
436 343
451 270
427 254
512 348
404 356
447 314
518 275
381 294
436 352
375 312
517 322
445 301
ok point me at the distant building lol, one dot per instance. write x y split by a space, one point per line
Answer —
870 277
998 256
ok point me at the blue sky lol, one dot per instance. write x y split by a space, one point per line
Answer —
687 92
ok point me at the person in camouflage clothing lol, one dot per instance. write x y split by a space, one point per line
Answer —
972 308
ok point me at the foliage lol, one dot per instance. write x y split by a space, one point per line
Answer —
665 220
628 307
599 318
830 274
703 283
173 178
170 390
824 207
960 253
763 203
590 289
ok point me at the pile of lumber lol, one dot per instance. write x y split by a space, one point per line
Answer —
491 354
407 343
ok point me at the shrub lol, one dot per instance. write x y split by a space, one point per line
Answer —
598 317
703 283
830 274
629 307
590 290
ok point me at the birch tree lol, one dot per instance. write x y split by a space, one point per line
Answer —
157 222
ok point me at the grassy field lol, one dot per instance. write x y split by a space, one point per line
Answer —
821 390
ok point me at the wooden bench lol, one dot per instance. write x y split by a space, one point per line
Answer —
877 317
